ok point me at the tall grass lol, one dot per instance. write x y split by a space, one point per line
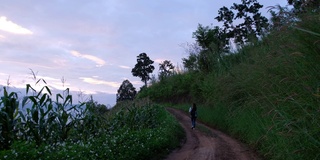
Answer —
269 96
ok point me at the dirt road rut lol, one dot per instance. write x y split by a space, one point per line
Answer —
205 143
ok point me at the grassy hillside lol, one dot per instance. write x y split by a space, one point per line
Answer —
267 95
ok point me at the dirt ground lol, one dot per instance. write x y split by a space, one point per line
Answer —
205 143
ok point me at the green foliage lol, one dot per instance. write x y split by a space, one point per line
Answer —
126 91
190 63
8 118
206 37
253 25
143 67
135 132
57 129
281 17
166 69
174 89
47 121
205 55
215 43
301 6
267 96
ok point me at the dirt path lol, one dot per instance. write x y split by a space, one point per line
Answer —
204 143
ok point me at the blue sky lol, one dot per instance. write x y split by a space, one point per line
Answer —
93 45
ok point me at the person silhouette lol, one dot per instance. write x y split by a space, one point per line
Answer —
193 115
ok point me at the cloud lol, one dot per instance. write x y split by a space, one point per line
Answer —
30 65
11 27
159 60
48 78
137 83
125 67
100 62
97 81
3 74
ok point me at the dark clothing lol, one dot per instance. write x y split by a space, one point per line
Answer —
193 122
193 115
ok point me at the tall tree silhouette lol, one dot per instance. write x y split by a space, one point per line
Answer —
165 69
143 68
126 91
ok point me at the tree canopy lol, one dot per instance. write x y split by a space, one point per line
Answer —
143 68
242 23
302 5
165 69
253 25
126 91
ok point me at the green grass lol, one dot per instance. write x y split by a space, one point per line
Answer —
269 95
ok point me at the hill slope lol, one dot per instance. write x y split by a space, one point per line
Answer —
268 96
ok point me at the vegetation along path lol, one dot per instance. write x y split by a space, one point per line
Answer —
205 143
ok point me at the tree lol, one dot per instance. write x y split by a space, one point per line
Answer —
126 91
303 5
165 69
211 38
253 25
143 68
96 108
190 63
281 17
212 43
153 79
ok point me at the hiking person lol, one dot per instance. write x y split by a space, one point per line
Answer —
193 115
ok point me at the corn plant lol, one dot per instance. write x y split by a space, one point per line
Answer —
91 121
8 118
63 112
136 117
39 119
47 120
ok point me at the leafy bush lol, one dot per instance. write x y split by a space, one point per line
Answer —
174 89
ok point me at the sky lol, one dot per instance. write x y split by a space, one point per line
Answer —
90 46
